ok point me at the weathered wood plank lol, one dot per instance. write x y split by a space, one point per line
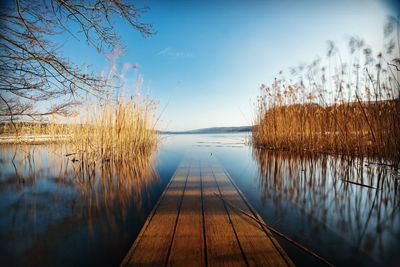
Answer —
192 226
188 243
152 245
266 230
222 245
257 244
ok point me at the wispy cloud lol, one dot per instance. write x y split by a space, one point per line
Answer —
170 52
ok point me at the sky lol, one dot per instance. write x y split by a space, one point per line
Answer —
207 60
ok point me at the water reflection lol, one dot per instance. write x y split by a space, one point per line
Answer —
350 197
58 212
49 200
115 183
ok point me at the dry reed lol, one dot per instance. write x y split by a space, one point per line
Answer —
23 128
331 106
114 130
101 130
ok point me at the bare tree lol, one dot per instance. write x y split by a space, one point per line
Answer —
33 73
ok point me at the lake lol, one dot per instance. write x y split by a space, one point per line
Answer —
53 214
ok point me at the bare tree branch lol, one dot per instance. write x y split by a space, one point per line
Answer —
32 70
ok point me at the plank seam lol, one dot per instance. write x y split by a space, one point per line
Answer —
230 220
203 218
177 218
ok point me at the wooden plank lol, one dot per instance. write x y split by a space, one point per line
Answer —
266 230
258 247
192 226
222 246
152 245
188 243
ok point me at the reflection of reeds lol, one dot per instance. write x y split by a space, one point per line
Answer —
107 188
317 186
332 106
49 202
116 182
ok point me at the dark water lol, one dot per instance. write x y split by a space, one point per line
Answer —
52 215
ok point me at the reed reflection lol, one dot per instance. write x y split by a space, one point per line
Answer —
105 184
48 198
351 197
97 184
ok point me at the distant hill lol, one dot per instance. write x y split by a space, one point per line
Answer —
237 129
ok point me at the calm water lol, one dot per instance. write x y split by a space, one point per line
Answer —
53 215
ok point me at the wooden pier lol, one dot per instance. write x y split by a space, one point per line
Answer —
200 220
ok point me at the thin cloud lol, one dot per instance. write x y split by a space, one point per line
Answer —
172 53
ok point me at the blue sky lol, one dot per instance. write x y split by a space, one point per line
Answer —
208 58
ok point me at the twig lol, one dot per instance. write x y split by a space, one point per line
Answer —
360 184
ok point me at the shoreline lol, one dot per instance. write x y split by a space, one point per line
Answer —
34 139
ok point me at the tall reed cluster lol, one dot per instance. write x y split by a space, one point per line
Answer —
100 130
333 106
53 127
114 130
